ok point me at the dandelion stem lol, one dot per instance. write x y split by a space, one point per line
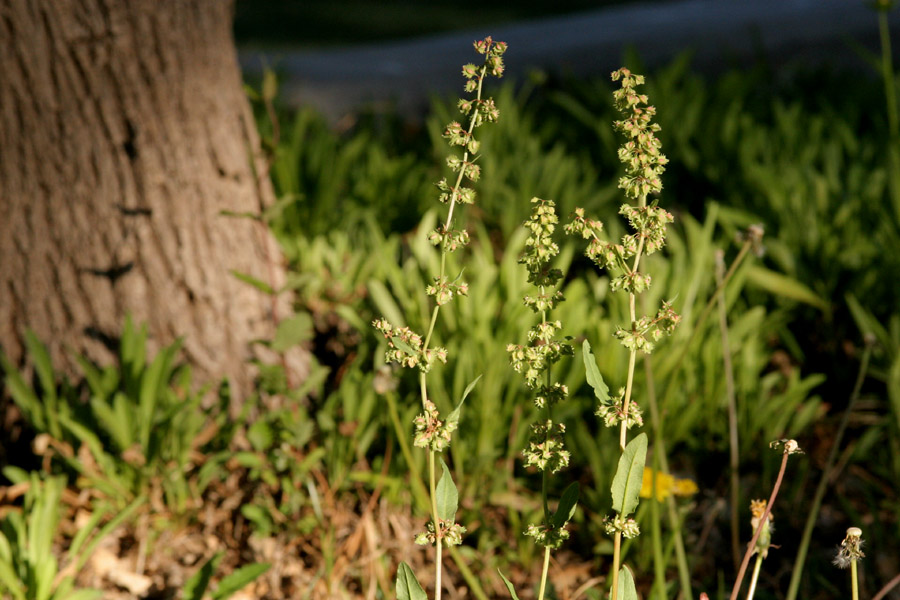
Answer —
854 582
755 577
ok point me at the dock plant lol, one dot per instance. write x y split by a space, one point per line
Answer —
546 449
410 349
644 164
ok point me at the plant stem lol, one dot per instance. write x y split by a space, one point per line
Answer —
854 582
438 538
659 562
732 409
755 577
765 517
545 570
623 431
799 562
423 385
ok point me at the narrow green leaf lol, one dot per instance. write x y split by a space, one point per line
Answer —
447 495
592 373
257 283
260 436
787 287
408 587
385 303
626 590
43 366
567 504
237 580
9 580
454 416
113 523
195 587
83 595
292 331
23 395
509 585
626 484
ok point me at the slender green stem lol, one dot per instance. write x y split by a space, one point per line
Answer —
854 582
813 514
626 401
659 562
545 475
732 410
617 557
544 572
423 384
420 492
439 541
754 577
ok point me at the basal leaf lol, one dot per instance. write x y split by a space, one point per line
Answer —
195 587
233 582
407 585
292 331
257 283
567 505
787 287
509 585
626 484
592 373
447 495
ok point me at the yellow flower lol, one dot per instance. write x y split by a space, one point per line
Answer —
665 485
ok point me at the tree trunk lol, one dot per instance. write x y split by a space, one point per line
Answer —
124 133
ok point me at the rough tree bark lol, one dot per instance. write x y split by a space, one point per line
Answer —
124 132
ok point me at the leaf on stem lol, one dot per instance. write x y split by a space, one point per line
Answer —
407 585
626 590
453 418
592 373
567 504
626 485
509 585
401 345
447 495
